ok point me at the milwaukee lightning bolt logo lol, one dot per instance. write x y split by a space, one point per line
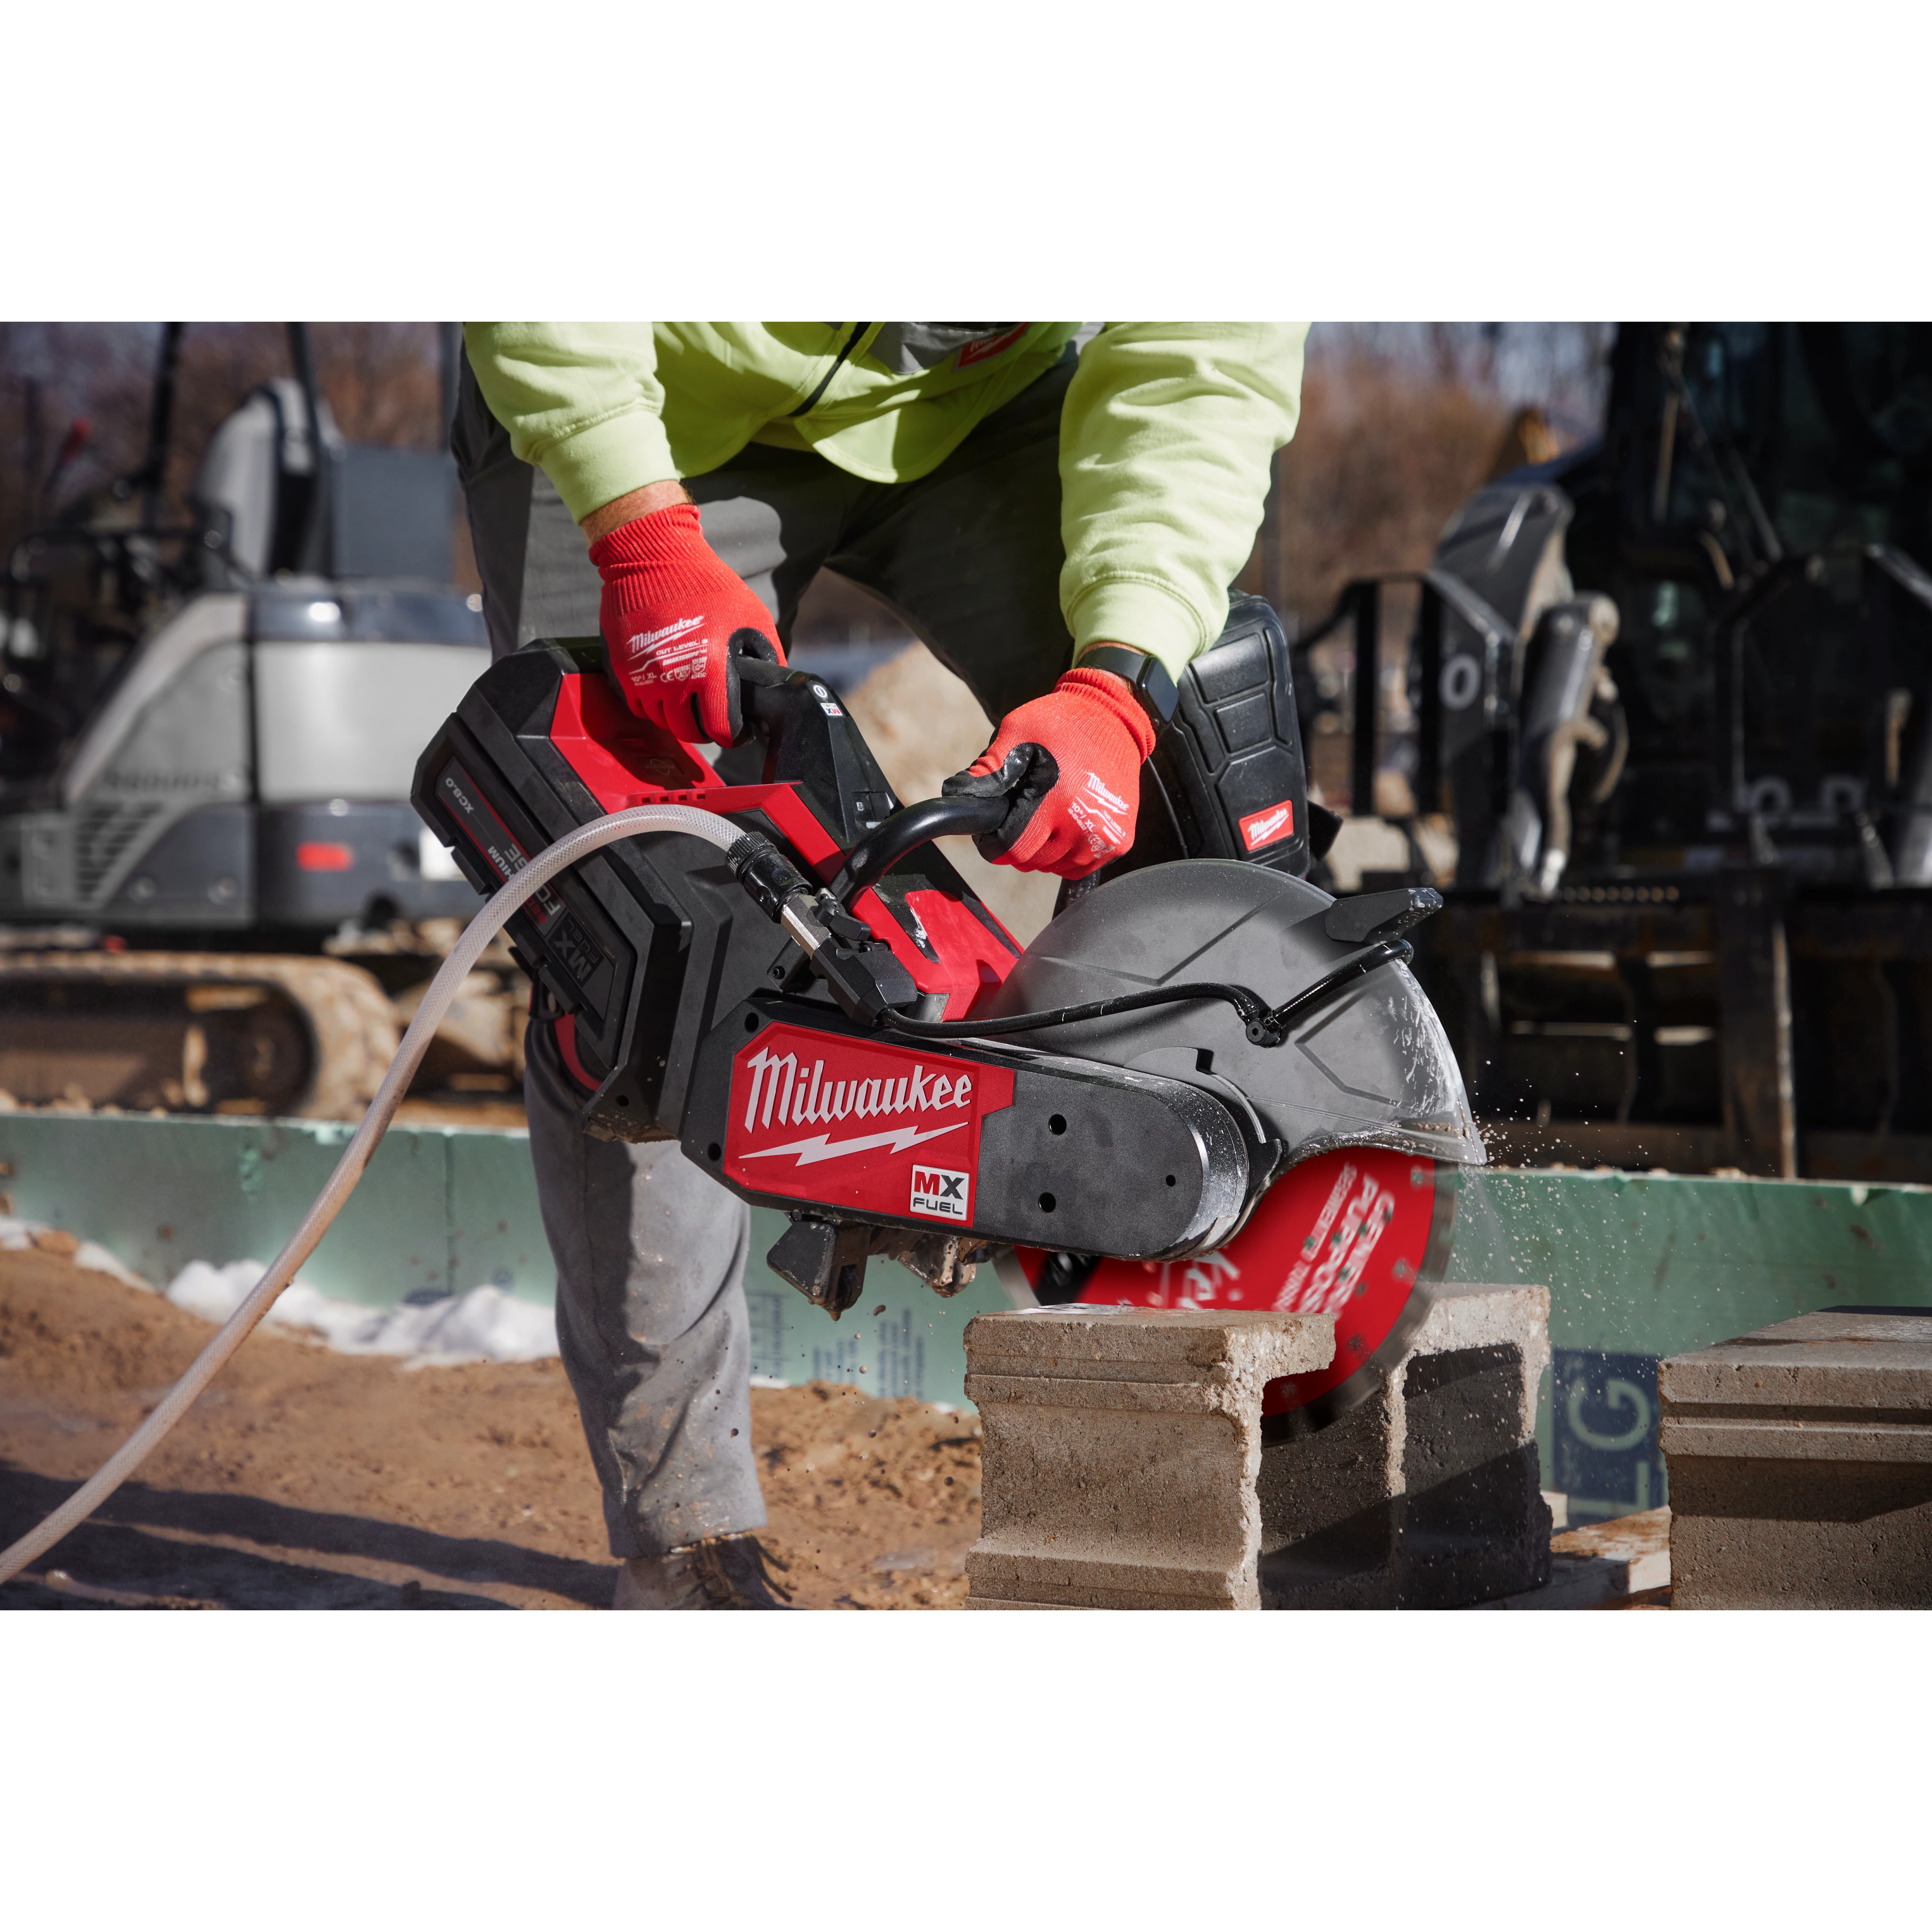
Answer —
822 1147
781 1085
864 1109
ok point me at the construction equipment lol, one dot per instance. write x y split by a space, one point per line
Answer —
211 886
1672 692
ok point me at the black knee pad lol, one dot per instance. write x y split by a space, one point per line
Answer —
1226 778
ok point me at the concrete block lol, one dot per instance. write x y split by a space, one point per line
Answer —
1121 1453
1800 1461
1426 1494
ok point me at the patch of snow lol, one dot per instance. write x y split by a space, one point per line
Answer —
213 1293
92 1255
17 1234
484 1325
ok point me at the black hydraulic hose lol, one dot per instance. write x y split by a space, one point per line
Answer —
153 470
1266 1027
310 550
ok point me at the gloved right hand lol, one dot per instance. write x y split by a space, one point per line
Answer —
673 615
1070 762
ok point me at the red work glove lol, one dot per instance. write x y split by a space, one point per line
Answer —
673 616
1071 761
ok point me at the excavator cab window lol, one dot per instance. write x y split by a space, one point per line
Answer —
1775 438
1750 473
77 601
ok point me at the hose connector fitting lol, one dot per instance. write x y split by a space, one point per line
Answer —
766 874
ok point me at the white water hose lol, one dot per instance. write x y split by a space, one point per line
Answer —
483 928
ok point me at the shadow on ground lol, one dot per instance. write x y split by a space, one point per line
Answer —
156 1544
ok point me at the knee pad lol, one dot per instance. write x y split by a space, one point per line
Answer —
1226 778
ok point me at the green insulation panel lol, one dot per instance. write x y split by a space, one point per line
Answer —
438 1209
1638 1267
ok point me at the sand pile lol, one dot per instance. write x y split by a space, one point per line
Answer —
306 1478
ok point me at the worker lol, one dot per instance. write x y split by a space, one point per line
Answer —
1056 513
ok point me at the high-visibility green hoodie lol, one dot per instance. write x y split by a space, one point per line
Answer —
1165 444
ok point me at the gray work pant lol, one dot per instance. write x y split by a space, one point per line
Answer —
649 1251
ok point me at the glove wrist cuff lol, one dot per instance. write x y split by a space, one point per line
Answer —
666 536
1117 697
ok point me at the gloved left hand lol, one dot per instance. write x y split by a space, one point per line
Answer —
1071 761
674 614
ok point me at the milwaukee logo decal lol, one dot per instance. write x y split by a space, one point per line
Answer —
644 640
941 1191
856 1124
1265 827
1100 813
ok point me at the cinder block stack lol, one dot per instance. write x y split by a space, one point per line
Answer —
1800 1460
1126 1468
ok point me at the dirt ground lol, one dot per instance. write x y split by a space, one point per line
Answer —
308 1480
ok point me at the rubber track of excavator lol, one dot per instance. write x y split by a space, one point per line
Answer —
352 1028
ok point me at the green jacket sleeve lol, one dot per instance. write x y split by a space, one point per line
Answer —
1165 443
581 400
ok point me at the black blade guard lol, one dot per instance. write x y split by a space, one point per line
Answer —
1364 1100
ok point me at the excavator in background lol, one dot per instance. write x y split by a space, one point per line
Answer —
215 896
1662 729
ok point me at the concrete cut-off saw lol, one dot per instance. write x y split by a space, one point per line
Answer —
1206 1084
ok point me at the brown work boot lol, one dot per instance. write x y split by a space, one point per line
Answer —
724 1572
